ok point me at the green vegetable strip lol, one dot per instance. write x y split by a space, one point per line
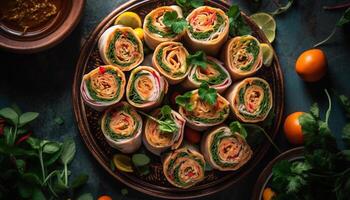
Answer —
215 80
133 94
93 94
214 149
254 49
155 30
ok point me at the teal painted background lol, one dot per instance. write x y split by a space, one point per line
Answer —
42 82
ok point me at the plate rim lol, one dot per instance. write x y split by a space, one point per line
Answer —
78 106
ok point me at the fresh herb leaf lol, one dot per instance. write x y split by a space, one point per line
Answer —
198 59
165 123
187 5
68 151
282 9
27 117
207 94
9 114
238 26
344 19
140 160
86 196
237 127
51 147
172 21
315 111
184 101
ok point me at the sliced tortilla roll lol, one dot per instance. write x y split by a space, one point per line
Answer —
242 56
250 99
157 141
119 46
102 87
146 88
208 29
214 74
225 150
170 60
203 115
122 126
184 167
156 31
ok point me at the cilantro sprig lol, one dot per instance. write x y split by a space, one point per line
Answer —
207 93
176 24
166 122
238 26
198 59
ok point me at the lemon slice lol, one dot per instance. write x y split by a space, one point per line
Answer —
266 23
267 54
139 32
123 163
129 19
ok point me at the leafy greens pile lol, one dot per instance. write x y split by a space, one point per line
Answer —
33 168
325 172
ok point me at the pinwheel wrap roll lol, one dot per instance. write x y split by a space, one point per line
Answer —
208 29
157 141
122 127
146 88
214 74
102 87
156 31
119 46
184 167
250 99
242 56
225 150
170 60
203 115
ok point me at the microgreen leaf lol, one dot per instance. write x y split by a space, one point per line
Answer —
27 117
172 21
198 59
68 151
237 24
237 127
9 114
184 101
207 94
344 19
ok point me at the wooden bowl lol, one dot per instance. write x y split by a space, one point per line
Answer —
266 174
48 35
155 183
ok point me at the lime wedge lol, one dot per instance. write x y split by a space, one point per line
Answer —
267 54
123 163
266 23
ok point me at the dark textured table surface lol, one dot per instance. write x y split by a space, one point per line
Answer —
42 82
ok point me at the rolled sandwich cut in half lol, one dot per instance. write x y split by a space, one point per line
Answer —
170 60
158 141
199 113
122 127
120 46
208 29
146 88
184 167
250 99
155 29
214 74
102 87
242 56
225 150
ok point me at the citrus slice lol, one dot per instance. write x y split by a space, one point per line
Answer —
267 54
129 19
139 33
266 23
122 162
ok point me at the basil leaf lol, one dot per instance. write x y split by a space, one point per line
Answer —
68 151
344 19
79 181
51 147
237 127
197 59
27 117
207 94
9 114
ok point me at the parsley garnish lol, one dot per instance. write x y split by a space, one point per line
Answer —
237 24
198 59
176 24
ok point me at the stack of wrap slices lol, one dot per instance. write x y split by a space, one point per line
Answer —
210 73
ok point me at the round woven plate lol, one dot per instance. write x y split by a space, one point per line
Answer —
155 183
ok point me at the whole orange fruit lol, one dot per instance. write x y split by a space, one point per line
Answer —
293 130
311 65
